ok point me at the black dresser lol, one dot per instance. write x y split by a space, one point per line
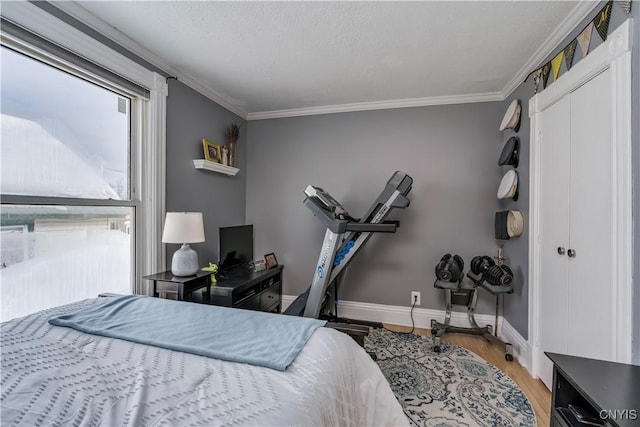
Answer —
588 392
249 290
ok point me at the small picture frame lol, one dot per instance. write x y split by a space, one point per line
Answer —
270 260
212 151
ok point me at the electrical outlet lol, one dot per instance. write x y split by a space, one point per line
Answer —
415 297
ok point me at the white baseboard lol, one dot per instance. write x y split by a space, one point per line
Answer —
521 347
400 315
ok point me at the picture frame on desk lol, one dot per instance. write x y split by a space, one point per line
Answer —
270 260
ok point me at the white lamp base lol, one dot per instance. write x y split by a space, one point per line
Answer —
184 262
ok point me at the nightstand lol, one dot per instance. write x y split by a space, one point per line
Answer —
181 287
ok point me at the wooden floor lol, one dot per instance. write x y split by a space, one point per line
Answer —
537 393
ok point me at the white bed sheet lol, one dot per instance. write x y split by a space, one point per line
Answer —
58 376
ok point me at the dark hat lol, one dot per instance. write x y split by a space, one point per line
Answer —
510 153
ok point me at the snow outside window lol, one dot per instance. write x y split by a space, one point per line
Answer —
67 140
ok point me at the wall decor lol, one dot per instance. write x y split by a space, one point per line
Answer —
508 188
212 151
515 223
569 51
511 119
625 5
500 225
270 260
510 153
601 22
601 25
232 134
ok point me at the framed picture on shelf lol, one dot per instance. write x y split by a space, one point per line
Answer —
270 260
212 151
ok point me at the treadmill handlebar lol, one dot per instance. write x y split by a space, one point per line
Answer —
327 217
340 226
327 200
365 227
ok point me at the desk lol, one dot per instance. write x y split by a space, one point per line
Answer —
603 389
183 287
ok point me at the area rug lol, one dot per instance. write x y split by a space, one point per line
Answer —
452 388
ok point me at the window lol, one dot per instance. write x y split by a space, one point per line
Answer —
61 135
53 255
78 215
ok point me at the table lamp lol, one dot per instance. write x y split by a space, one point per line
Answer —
184 228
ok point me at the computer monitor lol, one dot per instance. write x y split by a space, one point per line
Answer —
235 247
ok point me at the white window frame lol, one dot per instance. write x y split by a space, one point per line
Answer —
148 129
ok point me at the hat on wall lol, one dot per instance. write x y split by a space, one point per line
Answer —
508 188
509 155
511 119
500 224
515 223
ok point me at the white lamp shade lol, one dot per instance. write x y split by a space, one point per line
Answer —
183 227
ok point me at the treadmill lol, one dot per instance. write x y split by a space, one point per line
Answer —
343 238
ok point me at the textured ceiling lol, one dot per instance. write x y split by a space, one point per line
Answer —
266 56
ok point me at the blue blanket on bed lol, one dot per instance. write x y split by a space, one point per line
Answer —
256 338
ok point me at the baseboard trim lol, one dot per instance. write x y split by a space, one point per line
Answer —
521 347
400 315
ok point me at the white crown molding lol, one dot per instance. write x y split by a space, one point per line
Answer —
579 12
76 11
378 105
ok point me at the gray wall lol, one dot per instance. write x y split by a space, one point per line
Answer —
450 151
221 198
516 309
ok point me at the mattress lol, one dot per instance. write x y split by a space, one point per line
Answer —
54 375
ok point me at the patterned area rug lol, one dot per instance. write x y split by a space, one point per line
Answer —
452 388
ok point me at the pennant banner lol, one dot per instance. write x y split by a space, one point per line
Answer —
556 63
601 21
601 24
537 74
569 51
584 39
625 5
545 74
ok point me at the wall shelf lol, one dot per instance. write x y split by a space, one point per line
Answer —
216 167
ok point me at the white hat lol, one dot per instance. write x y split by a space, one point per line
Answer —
515 223
511 119
508 188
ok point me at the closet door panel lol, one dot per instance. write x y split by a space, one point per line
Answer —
591 216
554 226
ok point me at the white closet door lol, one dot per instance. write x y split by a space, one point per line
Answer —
554 231
591 219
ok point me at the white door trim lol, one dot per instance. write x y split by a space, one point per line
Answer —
614 54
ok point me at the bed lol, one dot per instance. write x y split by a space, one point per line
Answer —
55 375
